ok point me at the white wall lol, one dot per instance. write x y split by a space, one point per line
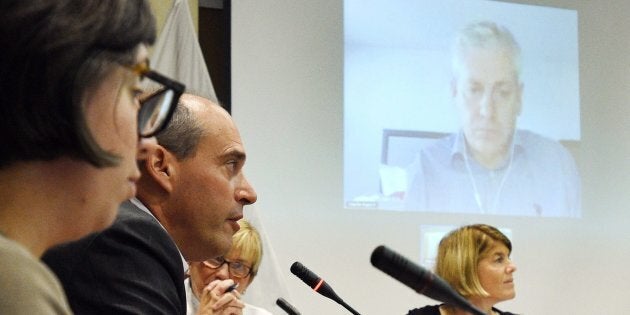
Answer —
287 100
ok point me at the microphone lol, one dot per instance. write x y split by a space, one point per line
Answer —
287 307
318 284
419 279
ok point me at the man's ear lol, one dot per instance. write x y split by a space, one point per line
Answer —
454 87
160 166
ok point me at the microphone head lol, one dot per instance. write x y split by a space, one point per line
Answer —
287 307
419 279
400 268
318 284
299 270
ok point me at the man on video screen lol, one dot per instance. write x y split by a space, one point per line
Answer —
489 166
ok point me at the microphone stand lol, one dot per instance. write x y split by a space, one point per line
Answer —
348 307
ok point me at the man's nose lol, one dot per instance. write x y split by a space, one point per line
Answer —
246 194
486 106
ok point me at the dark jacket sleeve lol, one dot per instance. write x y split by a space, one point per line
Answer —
133 267
435 310
427 310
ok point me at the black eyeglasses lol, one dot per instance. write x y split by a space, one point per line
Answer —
236 268
157 108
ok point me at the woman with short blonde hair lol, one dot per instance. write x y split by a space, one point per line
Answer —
475 261
240 265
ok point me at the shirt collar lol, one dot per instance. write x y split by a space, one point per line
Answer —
142 207
458 147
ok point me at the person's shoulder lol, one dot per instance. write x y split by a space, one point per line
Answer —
27 284
439 150
134 260
133 220
426 310
129 223
129 213
132 232
539 146
22 269
531 140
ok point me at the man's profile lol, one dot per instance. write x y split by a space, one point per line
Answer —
189 199
489 165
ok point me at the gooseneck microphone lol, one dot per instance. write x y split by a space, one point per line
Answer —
318 284
287 307
419 279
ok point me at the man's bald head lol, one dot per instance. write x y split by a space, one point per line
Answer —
193 181
185 129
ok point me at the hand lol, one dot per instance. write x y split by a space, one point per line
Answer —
215 301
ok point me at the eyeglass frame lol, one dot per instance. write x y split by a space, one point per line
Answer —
143 70
229 263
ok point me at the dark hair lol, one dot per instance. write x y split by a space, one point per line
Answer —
53 53
182 134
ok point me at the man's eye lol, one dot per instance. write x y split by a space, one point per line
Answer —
475 90
232 165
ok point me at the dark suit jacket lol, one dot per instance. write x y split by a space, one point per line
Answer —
133 267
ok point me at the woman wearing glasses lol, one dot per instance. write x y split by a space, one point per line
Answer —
71 129
240 264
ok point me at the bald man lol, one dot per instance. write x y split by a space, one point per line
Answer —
190 197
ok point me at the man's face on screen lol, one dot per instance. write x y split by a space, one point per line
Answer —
487 95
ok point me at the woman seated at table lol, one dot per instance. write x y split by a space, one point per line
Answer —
475 261
240 264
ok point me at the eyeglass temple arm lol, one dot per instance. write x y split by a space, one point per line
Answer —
177 86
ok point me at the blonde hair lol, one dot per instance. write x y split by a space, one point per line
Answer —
459 254
246 241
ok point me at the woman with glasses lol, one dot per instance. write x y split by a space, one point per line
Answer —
71 131
240 265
